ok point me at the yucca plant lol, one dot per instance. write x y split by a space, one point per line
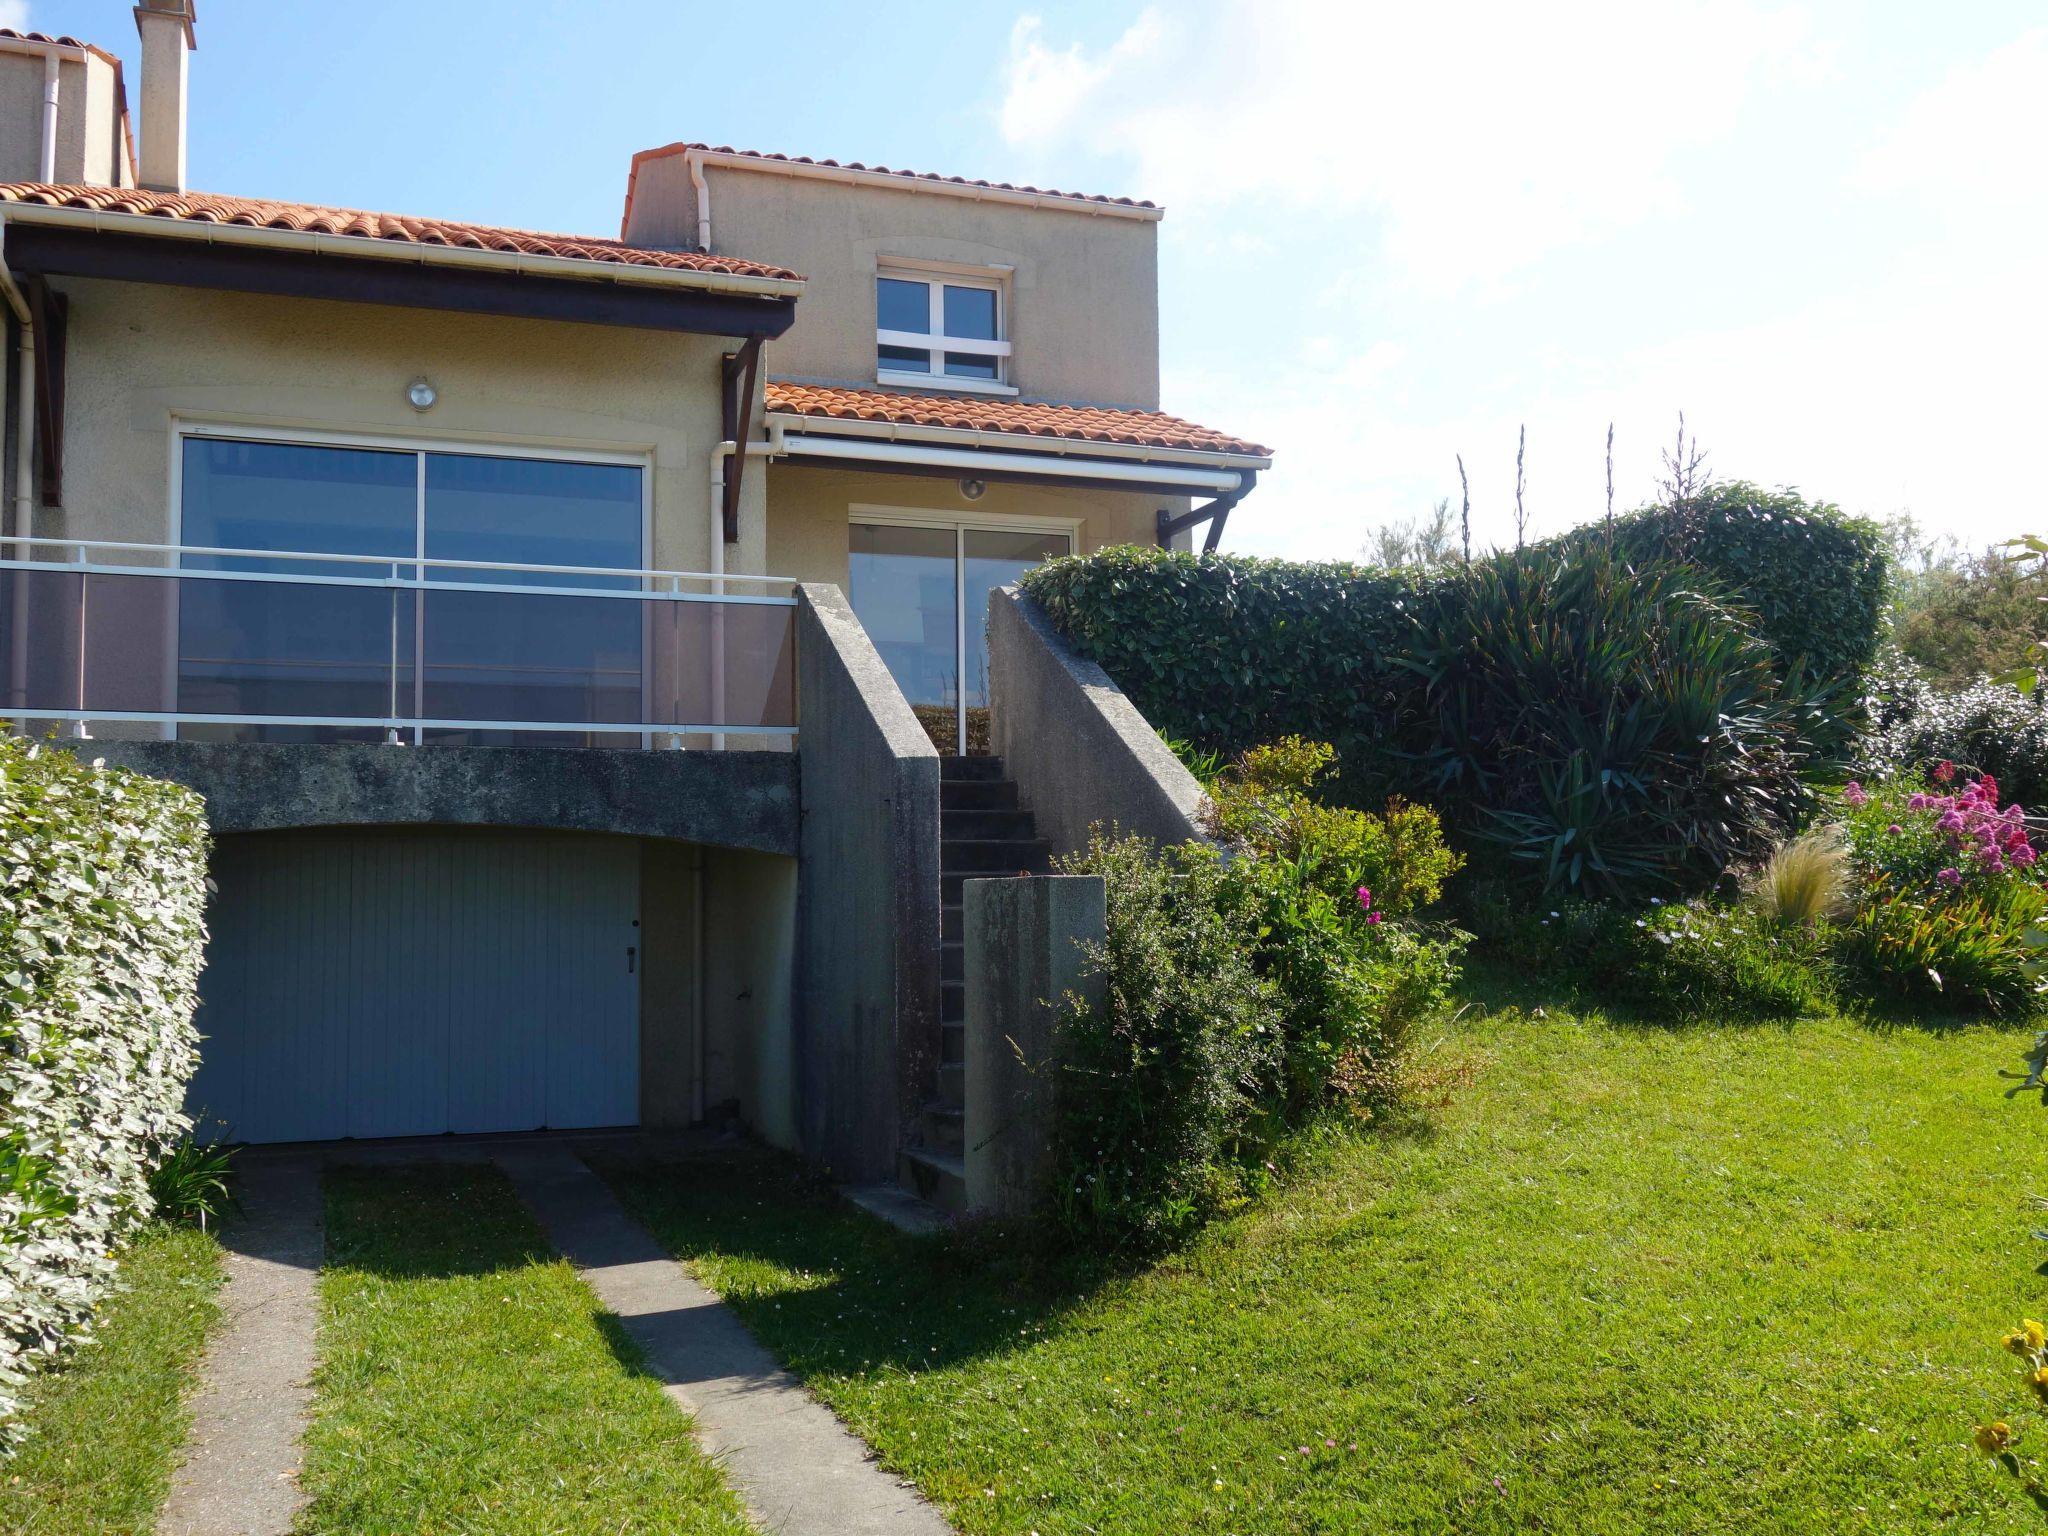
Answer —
1611 731
1806 881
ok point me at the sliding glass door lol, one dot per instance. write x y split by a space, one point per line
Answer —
921 591
256 647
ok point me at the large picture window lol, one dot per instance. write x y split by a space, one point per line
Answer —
933 326
247 646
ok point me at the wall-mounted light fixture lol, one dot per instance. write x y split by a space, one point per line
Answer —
420 394
974 490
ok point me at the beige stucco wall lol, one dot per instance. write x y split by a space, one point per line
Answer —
88 134
143 356
1083 299
749 967
809 509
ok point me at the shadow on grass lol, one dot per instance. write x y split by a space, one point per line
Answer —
831 1290
428 1221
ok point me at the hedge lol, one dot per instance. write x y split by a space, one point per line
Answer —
1682 665
102 898
1816 579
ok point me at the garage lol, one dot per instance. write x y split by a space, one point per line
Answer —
396 982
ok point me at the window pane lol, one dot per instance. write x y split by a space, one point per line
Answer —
532 512
901 584
296 496
971 313
248 647
903 360
970 365
995 559
522 656
901 305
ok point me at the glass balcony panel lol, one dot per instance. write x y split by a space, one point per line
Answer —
723 664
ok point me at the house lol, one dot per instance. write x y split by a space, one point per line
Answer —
548 619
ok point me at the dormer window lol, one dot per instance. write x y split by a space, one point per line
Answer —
941 328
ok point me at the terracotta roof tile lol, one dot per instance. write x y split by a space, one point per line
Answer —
1075 423
260 213
931 177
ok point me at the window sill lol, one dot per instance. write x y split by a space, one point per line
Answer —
942 384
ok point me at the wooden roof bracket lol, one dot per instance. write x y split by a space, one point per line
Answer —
1214 513
739 379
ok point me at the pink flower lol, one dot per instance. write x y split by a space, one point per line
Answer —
1917 801
1372 917
1951 821
1944 771
1855 794
1950 876
1987 788
2023 856
1364 899
1894 829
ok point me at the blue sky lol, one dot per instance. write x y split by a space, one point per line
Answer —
1395 233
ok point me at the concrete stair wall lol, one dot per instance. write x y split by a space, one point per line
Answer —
983 833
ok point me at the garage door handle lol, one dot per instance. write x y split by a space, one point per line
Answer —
630 953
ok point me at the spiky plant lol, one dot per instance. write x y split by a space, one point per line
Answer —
1806 881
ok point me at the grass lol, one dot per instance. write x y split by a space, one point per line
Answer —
470 1383
105 1428
1627 1280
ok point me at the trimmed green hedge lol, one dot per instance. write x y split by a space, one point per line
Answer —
102 900
1816 579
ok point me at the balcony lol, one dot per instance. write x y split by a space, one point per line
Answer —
212 644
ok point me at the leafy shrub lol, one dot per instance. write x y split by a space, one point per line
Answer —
1679 961
1607 727
1330 890
1969 950
1985 727
1949 893
1161 1092
1806 881
102 890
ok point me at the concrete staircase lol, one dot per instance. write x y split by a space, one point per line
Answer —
982 832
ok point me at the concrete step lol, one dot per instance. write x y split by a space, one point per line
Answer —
984 769
952 921
938 1177
952 1006
979 825
993 855
977 795
945 1128
952 961
953 1084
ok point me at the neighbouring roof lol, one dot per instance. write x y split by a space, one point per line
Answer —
312 218
928 181
1072 423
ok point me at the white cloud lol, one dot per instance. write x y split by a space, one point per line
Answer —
1483 136
14 13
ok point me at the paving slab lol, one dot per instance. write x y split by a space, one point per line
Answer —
241 1467
799 1470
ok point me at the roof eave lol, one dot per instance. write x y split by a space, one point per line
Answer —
371 248
1021 442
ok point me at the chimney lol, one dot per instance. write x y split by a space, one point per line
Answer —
166 28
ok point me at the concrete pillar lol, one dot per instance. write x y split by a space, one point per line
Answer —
1028 946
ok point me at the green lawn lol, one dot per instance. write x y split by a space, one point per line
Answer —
105 1428
470 1383
1628 1280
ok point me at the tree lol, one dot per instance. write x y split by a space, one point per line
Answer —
1423 542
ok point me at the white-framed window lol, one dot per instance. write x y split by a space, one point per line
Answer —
942 327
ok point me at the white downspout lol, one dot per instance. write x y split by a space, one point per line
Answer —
51 65
695 162
24 473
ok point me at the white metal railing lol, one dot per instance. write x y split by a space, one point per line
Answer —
119 631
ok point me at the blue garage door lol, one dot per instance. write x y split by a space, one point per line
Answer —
396 983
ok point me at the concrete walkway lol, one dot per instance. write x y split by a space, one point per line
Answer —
800 1471
240 1474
